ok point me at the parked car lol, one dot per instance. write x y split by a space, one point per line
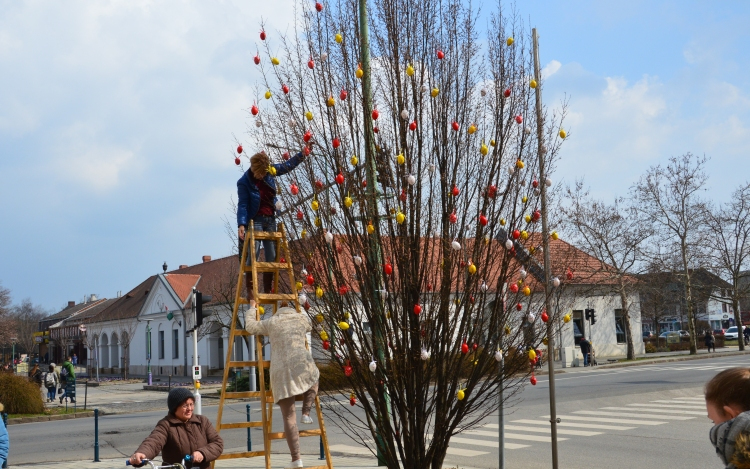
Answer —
719 331
648 334
731 333
684 333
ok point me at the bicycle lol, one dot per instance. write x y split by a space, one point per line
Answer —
184 465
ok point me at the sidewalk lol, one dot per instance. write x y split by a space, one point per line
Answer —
277 461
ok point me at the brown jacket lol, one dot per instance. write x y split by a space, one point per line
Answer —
175 438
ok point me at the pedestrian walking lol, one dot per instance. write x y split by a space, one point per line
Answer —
180 433
68 378
746 334
51 381
4 440
728 405
710 340
293 370
585 350
75 359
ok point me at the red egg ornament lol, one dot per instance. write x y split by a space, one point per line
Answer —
545 317
464 348
514 288
285 89
254 110
491 191
455 191
474 346
343 94
310 64
339 178
343 290
516 234
326 345
285 156
536 215
519 119
306 151
413 125
440 55
455 126
348 370
237 160
519 306
388 269
352 401
506 93
417 309
535 183
375 129
452 217
294 189
569 274
239 149
318 7
300 215
336 142
307 136
256 59
403 195
533 380
318 184
310 279
375 114
482 220
262 35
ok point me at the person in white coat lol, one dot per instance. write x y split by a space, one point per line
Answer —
293 370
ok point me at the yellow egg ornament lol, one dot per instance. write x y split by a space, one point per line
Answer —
272 171
319 317
509 41
347 315
502 222
483 150
532 355
527 218
360 73
526 291
339 38
400 218
532 83
472 129
343 325
330 102
554 235
354 160
460 395
524 199
315 205
472 269
318 223
309 115
563 134
348 201
299 285
492 142
370 228
566 318
268 94
519 164
261 310
434 92
545 341
400 159
507 330
303 235
274 60
323 335
319 292
524 234
409 70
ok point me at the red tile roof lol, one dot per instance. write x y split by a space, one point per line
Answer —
182 284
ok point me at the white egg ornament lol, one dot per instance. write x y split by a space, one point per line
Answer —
323 56
329 237
527 130
530 317
304 272
373 366
508 244
411 180
278 205
483 287
556 282
522 273
292 123
357 260
547 182
302 299
425 354
499 356
456 246
423 88
258 123
405 114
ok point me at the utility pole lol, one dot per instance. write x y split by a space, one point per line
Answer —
374 254
196 367
545 245
148 348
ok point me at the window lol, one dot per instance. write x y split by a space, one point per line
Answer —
578 326
724 307
161 344
175 343
620 330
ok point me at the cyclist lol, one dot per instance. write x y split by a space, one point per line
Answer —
181 433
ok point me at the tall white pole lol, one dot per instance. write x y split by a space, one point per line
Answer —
196 382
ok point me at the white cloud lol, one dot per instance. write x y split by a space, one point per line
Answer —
550 69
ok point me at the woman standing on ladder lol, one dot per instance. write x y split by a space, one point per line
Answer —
256 201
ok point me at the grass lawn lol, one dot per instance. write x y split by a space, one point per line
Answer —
51 411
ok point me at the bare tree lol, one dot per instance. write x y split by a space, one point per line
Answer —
729 226
613 234
408 269
27 316
668 198
7 321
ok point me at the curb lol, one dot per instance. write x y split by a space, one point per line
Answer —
50 418
679 358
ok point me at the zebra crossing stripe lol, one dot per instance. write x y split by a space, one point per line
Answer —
678 409
607 420
513 436
684 405
548 430
656 413
590 426
464 452
639 415
487 443
350 449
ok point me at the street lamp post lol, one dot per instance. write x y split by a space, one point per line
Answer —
13 356
148 348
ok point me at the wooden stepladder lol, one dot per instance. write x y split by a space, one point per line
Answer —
236 330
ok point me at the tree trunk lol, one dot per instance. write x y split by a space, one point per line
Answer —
737 314
689 300
626 319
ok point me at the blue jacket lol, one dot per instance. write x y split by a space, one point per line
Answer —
4 443
248 196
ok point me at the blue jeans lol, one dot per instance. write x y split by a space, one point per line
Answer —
585 358
51 393
269 246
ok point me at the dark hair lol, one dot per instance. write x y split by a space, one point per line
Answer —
730 387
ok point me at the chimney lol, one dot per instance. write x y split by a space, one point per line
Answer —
206 258
185 266
93 298
71 304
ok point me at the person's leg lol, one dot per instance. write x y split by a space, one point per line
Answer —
308 400
289 415
269 247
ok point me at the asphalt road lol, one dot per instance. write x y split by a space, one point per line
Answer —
638 416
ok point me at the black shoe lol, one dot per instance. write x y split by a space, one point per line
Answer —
61 400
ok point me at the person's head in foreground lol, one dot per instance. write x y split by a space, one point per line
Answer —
181 403
728 404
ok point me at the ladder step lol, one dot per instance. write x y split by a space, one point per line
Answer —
266 364
267 266
315 467
227 426
246 454
240 332
277 297
241 395
267 235
302 433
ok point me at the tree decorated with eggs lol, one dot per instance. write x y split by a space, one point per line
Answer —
416 217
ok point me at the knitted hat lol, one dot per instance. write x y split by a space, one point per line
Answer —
176 397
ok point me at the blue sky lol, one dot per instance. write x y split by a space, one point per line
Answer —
117 120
